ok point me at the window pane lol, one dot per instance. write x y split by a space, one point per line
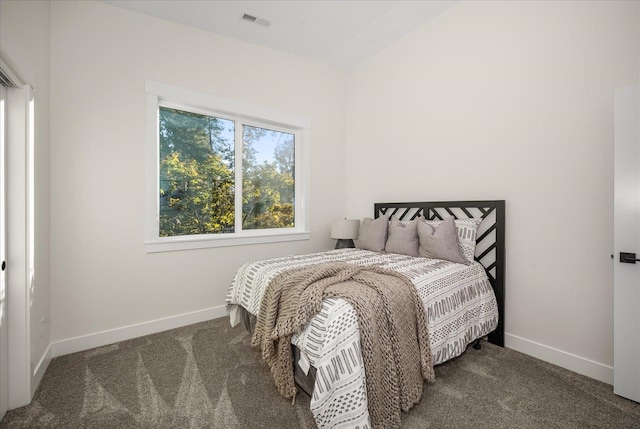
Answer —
268 187
196 173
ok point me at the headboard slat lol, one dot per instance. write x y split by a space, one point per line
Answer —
487 232
466 212
485 253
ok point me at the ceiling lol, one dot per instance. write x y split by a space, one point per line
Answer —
339 33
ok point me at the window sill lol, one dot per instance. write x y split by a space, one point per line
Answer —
171 244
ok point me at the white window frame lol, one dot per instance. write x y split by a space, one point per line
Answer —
172 96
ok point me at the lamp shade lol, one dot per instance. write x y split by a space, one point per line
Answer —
345 229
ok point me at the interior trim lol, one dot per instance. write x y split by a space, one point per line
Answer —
99 339
575 363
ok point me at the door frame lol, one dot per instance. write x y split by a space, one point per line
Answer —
19 178
4 332
626 320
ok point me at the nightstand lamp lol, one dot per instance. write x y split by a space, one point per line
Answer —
345 231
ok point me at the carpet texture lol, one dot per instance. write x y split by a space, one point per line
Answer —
207 376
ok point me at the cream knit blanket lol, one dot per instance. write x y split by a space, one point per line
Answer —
393 330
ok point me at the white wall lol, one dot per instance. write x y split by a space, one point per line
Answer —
524 86
514 101
24 37
101 277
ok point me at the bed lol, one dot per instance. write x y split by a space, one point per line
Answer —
463 303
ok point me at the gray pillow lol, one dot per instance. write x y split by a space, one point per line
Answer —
403 238
440 242
467 234
373 234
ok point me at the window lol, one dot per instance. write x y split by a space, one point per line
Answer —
222 173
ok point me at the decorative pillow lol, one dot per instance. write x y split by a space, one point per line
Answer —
373 234
440 242
467 234
403 237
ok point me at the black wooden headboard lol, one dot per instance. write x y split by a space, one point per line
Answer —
490 251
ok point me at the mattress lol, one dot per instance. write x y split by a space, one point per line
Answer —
459 302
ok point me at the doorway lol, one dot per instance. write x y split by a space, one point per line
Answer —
4 333
16 133
626 272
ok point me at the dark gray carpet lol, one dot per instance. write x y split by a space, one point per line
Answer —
207 376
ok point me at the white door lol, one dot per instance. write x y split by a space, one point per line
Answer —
626 338
4 371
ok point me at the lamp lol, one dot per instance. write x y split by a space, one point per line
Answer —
345 230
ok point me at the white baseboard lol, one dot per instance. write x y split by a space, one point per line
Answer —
86 342
561 358
552 355
40 369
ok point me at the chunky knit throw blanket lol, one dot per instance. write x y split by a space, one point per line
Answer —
393 330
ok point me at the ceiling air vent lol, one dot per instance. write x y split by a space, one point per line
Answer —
255 20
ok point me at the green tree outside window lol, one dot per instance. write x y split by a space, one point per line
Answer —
197 175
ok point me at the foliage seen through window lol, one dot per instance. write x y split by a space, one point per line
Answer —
197 175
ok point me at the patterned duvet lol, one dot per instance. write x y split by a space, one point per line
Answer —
459 303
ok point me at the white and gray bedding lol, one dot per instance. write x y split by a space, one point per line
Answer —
460 306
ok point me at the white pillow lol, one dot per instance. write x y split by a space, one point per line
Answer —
467 234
